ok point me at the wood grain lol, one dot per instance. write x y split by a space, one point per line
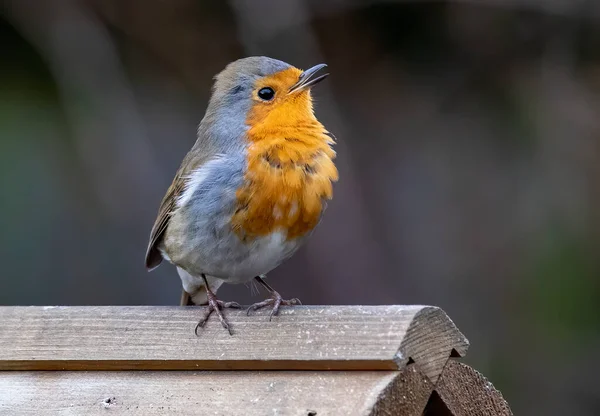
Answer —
162 338
332 393
430 340
407 394
462 391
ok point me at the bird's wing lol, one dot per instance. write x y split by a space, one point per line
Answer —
193 160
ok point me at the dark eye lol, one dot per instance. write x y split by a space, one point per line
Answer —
266 94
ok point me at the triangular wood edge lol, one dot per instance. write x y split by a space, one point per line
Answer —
461 385
430 340
405 392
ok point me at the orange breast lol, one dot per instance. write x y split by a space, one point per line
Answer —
289 175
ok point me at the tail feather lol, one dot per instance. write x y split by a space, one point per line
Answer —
186 299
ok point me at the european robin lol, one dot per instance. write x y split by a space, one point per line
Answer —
252 188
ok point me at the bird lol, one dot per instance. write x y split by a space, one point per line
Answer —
251 190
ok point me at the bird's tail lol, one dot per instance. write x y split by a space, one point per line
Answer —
186 299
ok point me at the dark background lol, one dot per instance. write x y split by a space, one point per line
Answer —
468 149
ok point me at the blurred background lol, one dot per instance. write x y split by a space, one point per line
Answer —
468 149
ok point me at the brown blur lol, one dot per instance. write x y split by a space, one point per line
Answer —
468 149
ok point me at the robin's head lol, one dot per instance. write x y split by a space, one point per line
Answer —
263 90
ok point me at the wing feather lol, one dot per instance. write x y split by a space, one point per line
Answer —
193 160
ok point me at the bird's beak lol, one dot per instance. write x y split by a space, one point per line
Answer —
307 79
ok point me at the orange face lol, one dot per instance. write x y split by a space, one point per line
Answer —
290 162
283 109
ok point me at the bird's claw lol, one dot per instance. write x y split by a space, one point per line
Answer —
276 300
215 305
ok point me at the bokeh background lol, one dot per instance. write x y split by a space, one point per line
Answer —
468 148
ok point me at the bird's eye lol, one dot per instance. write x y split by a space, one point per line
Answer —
266 93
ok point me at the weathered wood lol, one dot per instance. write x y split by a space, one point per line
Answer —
462 391
162 338
407 394
377 393
431 340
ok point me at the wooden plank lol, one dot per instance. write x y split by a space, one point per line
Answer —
375 393
162 338
462 391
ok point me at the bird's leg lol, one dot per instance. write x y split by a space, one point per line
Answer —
215 305
276 300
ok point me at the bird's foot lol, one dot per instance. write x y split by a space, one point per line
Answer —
215 305
276 300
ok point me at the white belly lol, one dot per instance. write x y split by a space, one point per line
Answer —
232 260
264 254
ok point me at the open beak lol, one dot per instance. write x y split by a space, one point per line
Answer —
308 79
